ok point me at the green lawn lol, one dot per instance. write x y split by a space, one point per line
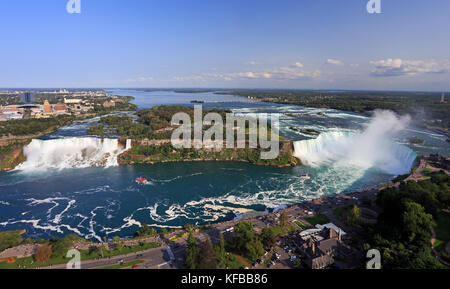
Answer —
339 211
10 239
232 262
426 170
292 228
277 231
319 219
125 265
442 230
28 262
301 224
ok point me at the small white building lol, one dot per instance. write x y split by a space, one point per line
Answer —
72 101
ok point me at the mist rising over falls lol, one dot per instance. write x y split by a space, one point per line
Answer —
71 152
373 147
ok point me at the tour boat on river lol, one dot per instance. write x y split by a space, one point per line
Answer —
142 181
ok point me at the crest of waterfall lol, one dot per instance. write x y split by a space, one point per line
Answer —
71 152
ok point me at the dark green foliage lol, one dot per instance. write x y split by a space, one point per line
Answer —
96 130
192 253
146 231
284 221
160 116
417 225
404 229
28 127
10 239
432 194
319 219
353 216
267 238
246 242
221 252
400 178
207 256
442 232
61 246
254 250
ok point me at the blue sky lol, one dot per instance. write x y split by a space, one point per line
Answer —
307 44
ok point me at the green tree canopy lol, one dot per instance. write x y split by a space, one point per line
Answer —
207 256
192 252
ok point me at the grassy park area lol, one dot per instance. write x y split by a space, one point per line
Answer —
98 253
301 225
319 219
442 230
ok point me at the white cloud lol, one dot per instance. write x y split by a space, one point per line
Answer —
334 62
292 72
298 65
140 79
280 73
189 78
399 67
252 63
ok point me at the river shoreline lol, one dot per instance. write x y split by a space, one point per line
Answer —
313 205
303 203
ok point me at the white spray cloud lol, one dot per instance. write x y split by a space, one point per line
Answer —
373 147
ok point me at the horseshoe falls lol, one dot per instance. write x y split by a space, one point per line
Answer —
373 147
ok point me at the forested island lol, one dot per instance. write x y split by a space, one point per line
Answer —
151 135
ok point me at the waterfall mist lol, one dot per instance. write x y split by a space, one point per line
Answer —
372 147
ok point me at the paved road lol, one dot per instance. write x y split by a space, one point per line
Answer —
152 257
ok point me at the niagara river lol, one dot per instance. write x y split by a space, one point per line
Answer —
72 183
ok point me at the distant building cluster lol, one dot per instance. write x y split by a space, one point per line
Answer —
439 161
75 102
108 104
34 111
11 112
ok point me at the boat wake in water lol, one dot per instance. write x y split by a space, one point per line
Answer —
372 148
71 152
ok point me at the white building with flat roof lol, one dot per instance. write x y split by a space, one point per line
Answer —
72 101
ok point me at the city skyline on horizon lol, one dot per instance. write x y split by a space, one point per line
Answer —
201 89
320 45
